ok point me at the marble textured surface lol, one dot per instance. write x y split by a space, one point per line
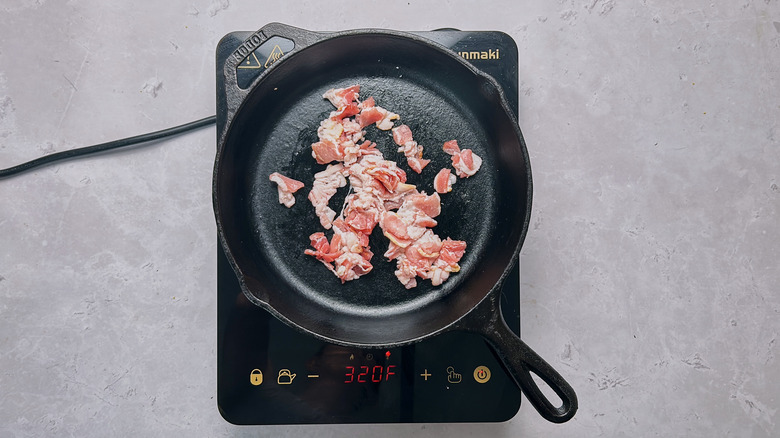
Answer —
650 273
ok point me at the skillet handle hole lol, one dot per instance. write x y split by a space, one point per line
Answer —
547 391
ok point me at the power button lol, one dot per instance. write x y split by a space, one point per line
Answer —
482 374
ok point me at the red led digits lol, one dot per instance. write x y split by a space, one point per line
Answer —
376 374
390 369
363 373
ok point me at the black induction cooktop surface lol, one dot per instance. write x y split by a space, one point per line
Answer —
269 373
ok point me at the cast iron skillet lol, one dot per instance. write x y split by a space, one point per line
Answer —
441 97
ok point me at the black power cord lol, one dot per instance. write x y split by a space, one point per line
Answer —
80 152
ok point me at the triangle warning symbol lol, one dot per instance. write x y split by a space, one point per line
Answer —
251 61
276 53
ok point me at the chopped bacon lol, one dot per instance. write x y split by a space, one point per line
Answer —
362 212
322 249
326 152
429 205
347 261
379 196
451 253
369 116
353 151
402 136
395 229
378 176
451 147
465 162
342 96
286 187
371 113
417 250
347 255
351 266
348 110
325 185
443 181
387 121
429 258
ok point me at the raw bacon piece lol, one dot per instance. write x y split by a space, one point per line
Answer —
451 147
402 136
431 259
354 151
371 113
348 110
326 152
395 229
387 121
417 164
351 266
342 96
443 181
468 164
369 116
465 162
322 249
427 204
382 178
347 255
362 212
286 187
325 185
451 253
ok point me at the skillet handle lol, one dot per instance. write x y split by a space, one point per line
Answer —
520 360
234 93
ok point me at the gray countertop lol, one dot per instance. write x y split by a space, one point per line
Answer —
649 275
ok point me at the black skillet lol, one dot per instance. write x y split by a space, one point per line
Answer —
271 126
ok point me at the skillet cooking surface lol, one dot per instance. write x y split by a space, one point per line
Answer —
283 234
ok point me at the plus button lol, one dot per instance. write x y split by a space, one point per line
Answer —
425 375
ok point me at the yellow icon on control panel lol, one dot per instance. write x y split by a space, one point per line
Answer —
452 376
285 377
256 377
482 374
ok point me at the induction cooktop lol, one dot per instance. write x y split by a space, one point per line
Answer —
269 373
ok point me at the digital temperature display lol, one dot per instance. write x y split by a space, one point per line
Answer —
365 373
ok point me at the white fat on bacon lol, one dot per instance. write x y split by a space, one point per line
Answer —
326 184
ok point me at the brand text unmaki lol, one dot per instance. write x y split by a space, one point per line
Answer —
484 54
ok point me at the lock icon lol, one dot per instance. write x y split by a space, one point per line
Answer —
256 377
